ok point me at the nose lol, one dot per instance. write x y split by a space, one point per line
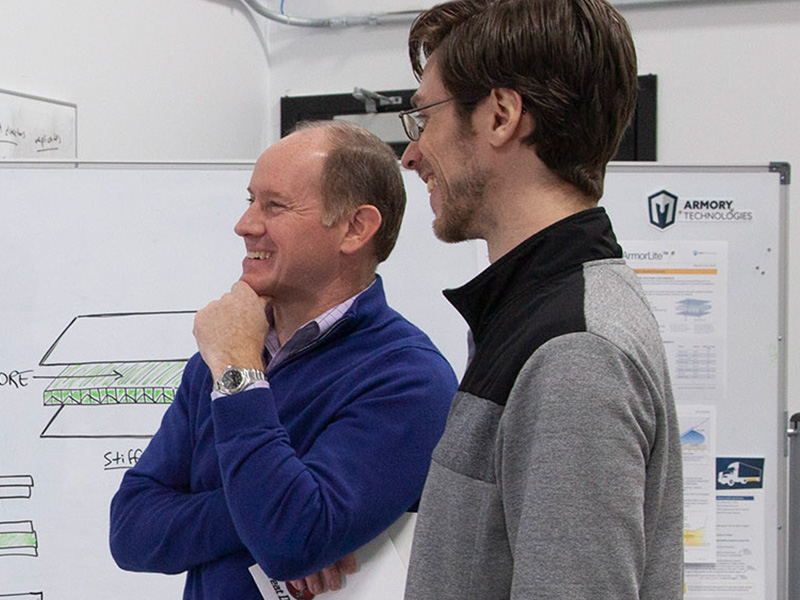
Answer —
248 223
411 156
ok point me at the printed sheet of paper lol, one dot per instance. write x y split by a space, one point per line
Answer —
687 287
740 570
698 443
382 568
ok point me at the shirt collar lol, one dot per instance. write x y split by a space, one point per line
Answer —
307 333
565 245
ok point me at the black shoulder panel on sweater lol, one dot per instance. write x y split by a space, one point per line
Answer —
534 316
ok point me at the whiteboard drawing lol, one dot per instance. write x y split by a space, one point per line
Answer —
15 486
25 596
32 127
115 383
18 538
118 373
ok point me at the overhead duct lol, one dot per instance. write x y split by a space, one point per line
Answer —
391 18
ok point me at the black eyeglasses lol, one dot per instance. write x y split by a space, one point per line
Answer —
412 120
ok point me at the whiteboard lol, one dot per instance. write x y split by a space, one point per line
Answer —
94 252
710 247
85 250
102 266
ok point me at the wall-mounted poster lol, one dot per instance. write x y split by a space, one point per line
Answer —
36 128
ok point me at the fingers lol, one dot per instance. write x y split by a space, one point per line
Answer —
241 287
330 578
314 582
348 564
231 330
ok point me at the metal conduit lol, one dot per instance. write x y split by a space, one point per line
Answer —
348 21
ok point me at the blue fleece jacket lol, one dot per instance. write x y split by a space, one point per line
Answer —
293 476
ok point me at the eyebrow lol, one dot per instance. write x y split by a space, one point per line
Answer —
268 194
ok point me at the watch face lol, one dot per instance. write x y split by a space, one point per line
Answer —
232 379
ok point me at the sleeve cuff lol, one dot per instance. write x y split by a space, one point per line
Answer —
253 386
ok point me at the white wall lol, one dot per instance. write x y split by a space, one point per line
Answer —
305 61
153 80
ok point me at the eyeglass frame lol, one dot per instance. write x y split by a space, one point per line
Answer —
410 118
407 116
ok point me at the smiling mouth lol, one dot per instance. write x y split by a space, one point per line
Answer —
259 255
431 184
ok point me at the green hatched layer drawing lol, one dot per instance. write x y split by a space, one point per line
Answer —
116 383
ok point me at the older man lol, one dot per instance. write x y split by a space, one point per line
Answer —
304 426
558 476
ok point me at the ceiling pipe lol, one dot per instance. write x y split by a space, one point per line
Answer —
340 22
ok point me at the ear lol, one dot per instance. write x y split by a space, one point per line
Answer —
507 122
361 228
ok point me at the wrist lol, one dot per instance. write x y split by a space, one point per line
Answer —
218 366
235 379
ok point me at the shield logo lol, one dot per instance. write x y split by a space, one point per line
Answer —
663 208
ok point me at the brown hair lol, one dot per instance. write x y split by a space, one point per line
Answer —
361 169
572 61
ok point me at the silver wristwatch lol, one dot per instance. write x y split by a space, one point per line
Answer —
236 379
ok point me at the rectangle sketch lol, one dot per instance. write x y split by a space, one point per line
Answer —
35 127
15 486
18 538
113 360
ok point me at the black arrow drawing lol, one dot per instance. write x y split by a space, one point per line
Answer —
116 375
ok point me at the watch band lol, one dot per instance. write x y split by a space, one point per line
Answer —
237 379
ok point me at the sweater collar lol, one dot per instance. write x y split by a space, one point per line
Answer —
561 247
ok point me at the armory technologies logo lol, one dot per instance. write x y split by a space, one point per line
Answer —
666 209
663 208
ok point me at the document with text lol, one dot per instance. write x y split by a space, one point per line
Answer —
382 568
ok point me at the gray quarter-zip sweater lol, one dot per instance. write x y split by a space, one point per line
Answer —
559 472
